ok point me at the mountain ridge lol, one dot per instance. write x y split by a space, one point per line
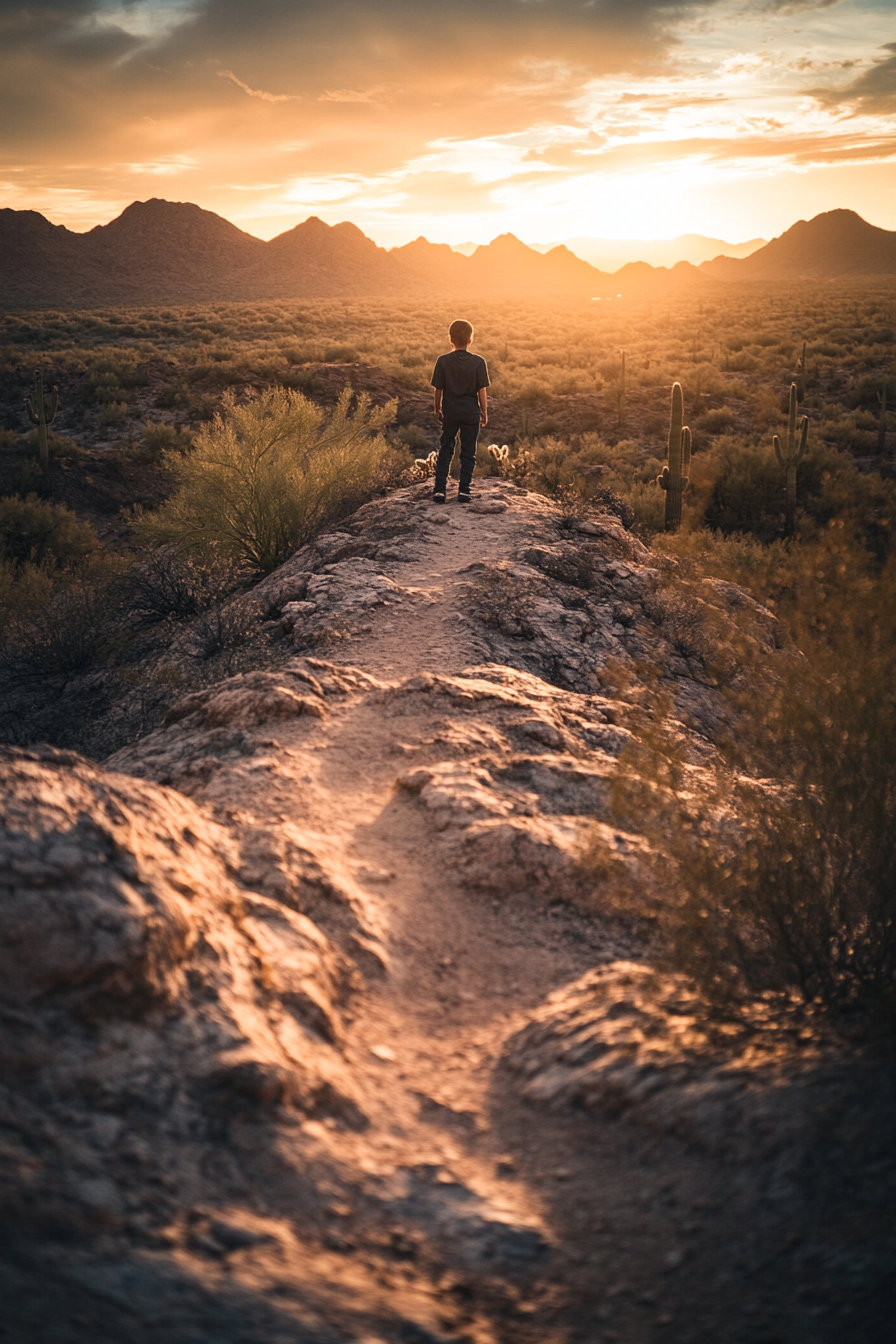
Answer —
610 254
161 251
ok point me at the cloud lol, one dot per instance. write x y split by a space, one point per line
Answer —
350 95
873 92
259 93
379 108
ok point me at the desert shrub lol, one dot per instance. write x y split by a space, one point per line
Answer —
302 380
781 871
715 421
73 632
268 473
739 487
746 493
158 439
174 396
34 530
648 505
221 375
223 628
24 588
168 585
413 437
114 413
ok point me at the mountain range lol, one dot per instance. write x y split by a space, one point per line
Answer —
171 252
609 254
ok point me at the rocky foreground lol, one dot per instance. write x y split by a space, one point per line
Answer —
320 1022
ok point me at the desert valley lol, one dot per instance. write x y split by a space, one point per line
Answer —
445 923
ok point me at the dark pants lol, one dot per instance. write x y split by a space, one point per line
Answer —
469 433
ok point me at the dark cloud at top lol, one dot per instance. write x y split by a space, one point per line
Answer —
874 91
73 71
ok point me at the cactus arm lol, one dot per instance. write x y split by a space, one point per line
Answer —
663 479
32 413
50 412
804 435
778 454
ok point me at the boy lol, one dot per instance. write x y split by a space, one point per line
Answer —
460 402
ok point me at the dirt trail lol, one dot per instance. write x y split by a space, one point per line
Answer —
645 1239
420 800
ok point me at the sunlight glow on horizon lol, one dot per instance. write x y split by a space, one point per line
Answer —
754 119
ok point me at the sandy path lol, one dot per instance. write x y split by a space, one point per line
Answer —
644 1239
430 631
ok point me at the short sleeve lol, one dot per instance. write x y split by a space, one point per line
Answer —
438 375
482 375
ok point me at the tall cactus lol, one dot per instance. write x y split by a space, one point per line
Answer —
674 478
801 377
790 458
42 408
882 423
621 403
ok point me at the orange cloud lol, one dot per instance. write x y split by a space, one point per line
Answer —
259 93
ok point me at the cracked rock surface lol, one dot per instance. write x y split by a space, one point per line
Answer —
315 1026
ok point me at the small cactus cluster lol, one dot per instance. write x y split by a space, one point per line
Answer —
789 457
42 407
514 469
675 474
424 467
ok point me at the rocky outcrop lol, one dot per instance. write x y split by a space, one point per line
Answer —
629 1041
303 992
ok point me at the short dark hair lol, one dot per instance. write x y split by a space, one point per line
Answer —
460 332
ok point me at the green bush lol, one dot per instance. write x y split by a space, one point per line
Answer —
159 439
413 437
747 489
270 472
24 589
33 530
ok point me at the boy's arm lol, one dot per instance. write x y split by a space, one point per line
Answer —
483 406
437 402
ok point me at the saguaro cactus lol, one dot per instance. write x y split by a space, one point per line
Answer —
42 408
789 459
674 478
882 423
621 405
801 376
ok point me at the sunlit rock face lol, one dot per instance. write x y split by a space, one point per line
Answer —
307 996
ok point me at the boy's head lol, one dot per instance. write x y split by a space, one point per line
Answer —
460 334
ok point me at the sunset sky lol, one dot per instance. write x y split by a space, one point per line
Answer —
548 118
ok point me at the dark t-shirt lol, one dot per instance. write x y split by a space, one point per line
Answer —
460 375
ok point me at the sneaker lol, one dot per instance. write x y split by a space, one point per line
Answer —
463 497
438 496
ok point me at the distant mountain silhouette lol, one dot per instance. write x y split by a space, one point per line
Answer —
609 254
169 252
836 243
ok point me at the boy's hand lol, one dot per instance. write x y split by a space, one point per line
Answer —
483 420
